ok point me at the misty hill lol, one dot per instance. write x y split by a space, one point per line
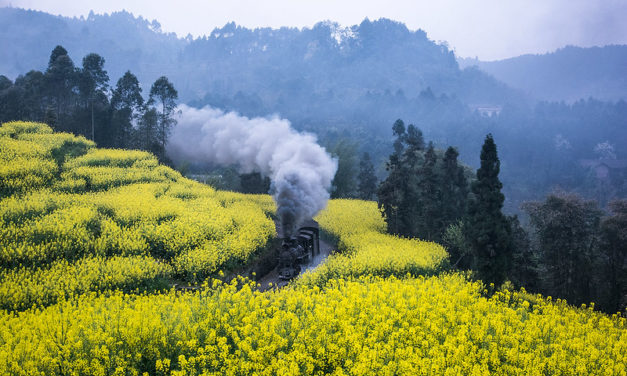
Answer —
568 74
266 70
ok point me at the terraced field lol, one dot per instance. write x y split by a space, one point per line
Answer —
91 239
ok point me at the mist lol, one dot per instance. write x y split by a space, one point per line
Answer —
301 171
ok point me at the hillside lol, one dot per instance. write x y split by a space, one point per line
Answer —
568 74
91 239
261 70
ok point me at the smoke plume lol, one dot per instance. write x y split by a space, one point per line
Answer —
301 171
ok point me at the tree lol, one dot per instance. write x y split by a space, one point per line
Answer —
147 131
391 192
254 183
566 228
488 230
33 88
61 81
344 183
93 82
614 256
428 219
367 179
524 267
165 93
399 194
56 53
126 104
454 187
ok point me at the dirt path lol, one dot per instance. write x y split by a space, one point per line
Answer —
273 276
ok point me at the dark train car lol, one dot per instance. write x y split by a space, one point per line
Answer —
299 250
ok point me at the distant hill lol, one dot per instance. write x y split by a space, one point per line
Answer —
265 68
568 74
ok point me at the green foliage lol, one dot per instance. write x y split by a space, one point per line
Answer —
614 255
344 183
424 192
487 228
566 227
254 183
163 92
367 187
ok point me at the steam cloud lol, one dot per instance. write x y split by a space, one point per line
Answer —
301 171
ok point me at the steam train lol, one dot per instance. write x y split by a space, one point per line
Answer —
299 250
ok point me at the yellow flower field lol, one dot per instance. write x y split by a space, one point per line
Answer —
67 208
365 248
414 326
92 239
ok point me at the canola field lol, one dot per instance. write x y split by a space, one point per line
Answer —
87 252
74 219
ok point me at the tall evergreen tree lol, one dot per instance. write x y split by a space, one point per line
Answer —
390 195
399 194
487 229
428 219
367 179
454 186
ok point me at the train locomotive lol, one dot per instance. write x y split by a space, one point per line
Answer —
299 250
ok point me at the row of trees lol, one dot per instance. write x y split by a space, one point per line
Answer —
576 251
425 191
570 249
80 100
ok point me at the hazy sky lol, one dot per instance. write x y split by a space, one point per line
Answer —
489 29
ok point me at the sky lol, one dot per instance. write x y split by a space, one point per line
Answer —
487 29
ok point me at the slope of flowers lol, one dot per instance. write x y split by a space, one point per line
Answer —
65 204
364 248
85 246
414 326
26 287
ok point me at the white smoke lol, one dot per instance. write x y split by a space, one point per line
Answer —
301 171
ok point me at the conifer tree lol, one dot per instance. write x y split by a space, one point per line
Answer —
391 191
427 222
454 188
487 229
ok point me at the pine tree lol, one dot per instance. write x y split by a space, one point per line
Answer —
488 230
